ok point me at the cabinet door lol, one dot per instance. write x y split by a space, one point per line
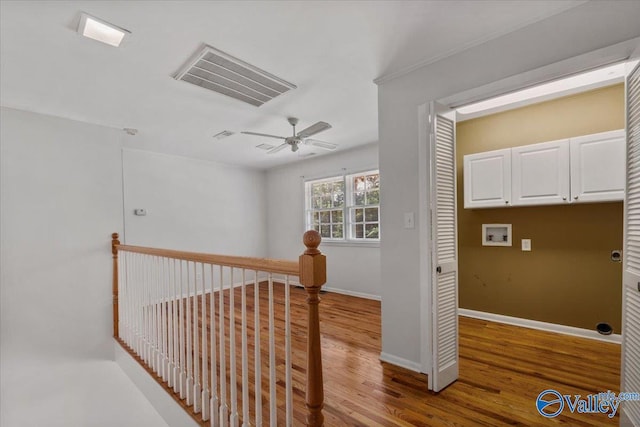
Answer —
540 173
487 179
598 167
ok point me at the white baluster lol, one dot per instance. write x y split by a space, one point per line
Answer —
224 408
189 343
170 299
197 392
154 312
232 352
245 356
287 350
147 312
176 340
205 359
214 411
273 414
163 317
257 361
183 346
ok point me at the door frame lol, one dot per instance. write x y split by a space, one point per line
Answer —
616 53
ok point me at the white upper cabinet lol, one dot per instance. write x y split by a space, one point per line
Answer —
598 167
540 174
487 179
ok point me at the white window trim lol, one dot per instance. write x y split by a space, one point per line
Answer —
346 177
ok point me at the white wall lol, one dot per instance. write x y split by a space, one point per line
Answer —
61 200
349 268
194 205
585 28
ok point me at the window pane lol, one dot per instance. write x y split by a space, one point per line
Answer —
359 183
325 231
373 181
316 220
358 198
326 201
338 187
317 202
373 197
336 217
336 231
371 214
324 217
338 200
316 190
371 231
357 215
359 231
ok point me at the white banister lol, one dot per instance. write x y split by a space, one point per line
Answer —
287 352
197 393
215 403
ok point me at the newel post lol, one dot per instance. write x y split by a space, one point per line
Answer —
114 251
313 274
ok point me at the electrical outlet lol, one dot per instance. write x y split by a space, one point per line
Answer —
140 212
526 245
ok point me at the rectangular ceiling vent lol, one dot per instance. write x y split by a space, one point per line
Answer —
223 134
215 70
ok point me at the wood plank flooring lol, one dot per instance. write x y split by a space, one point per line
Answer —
502 370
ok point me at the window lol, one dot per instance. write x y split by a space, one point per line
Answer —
345 208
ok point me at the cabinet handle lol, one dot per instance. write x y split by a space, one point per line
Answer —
575 197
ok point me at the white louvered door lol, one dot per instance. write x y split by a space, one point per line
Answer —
631 276
444 249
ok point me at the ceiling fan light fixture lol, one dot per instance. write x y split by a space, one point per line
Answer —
294 147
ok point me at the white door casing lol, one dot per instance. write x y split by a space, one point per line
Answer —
631 275
444 259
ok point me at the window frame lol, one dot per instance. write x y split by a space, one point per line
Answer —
348 206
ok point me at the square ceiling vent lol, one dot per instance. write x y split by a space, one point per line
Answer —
213 69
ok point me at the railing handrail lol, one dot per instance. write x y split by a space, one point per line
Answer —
269 265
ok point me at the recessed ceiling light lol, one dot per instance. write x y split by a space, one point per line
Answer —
102 31
265 146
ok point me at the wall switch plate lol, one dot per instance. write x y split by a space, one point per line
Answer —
409 220
140 212
526 245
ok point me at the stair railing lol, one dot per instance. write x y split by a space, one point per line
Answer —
178 314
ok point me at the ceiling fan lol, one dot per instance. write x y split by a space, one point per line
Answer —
300 137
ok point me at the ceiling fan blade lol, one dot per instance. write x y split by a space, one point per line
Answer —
278 148
264 134
313 129
321 144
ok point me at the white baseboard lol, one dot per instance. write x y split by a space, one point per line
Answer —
352 293
166 406
399 361
543 326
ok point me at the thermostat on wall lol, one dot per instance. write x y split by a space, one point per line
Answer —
496 234
140 212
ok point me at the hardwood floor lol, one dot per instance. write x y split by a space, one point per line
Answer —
502 370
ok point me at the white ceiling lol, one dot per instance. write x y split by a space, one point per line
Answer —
332 51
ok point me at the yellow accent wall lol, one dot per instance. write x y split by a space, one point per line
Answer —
568 277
